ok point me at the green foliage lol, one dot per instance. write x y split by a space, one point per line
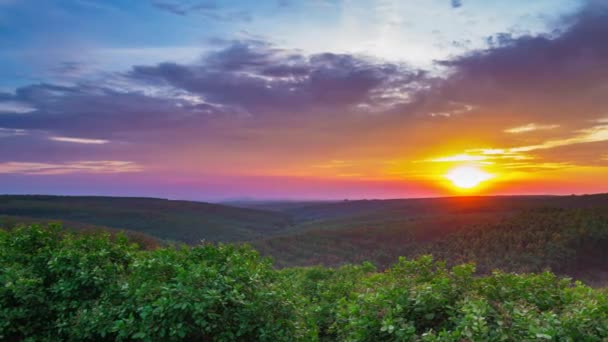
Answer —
423 300
56 285
321 288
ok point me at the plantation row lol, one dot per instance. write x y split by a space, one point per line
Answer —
61 286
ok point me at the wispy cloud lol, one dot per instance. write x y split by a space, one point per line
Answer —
588 135
457 158
461 109
15 107
483 156
531 127
80 140
207 9
102 166
10 132
522 157
334 164
183 8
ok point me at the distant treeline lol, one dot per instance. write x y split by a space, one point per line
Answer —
56 285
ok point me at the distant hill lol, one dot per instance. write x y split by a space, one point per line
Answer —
432 206
275 205
182 221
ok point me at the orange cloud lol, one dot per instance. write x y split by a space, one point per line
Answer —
103 166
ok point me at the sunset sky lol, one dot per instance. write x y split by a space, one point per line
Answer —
326 99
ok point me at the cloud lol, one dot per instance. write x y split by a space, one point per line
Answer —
567 152
334 164
559 77
104 166
531 127
207 9
258 77
80 140
588 135
66 69
15 107
450 109
244 96
184 7
458 158
6 132
100 111
251 79
456 3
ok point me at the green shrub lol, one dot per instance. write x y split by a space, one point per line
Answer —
321 288
423 300
56 286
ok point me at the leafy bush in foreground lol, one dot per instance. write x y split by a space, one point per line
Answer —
60 286
424 300
56 286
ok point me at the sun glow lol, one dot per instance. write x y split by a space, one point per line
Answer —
467 177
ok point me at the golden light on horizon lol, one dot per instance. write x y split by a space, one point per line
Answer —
467 177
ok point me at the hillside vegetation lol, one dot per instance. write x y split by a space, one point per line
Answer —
182 221
566 234
56 285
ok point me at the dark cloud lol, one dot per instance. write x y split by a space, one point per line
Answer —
257 76
553 77
96 112
456 3
161 104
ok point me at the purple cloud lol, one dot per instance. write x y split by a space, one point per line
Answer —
257 77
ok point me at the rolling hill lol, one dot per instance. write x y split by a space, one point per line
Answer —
183 221
568 234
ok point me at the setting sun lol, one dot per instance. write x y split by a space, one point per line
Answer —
467 177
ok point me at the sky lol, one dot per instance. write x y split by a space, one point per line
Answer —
318 99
